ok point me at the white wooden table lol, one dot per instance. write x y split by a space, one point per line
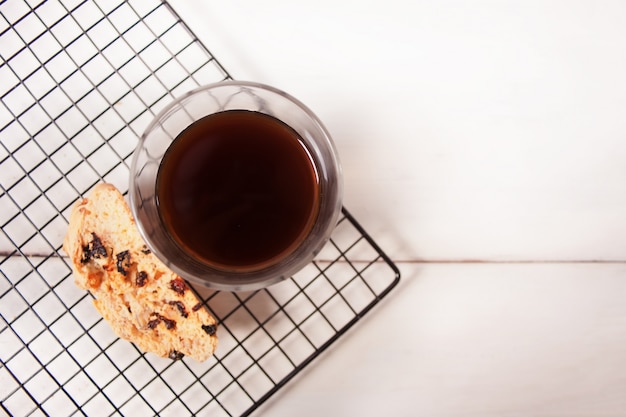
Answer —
484 148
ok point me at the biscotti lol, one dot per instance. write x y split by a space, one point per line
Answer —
142 300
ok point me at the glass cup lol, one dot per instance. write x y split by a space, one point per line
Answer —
207 100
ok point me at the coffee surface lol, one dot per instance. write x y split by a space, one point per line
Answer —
238 189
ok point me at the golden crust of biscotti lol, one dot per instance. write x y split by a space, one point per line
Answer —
142 300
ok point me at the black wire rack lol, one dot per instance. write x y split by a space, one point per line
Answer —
79 81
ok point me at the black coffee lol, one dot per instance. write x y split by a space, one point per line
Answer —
238 189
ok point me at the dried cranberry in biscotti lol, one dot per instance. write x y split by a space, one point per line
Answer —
169 323
94 249
178 285
180 306
157 318
123 262
152 324
141 278
175 355
210 329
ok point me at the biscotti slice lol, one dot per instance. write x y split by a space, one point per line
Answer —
142 300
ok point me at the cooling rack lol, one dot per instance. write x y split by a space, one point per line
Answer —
79 81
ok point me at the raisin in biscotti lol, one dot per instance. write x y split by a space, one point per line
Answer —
143 301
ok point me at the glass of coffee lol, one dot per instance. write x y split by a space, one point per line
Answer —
235 186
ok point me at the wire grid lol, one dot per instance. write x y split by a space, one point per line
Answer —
79 82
